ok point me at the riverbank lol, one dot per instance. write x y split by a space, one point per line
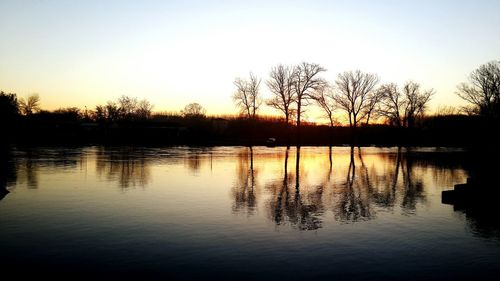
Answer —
452 131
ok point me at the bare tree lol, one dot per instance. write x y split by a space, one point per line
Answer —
305 83
354 94
247 95
403 107
483 89
447 110
256 100
392 104
127 106
193 110
280 84
144 109
326 101
30 105
371 109
415 102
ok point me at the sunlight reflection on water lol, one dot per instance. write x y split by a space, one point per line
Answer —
240 212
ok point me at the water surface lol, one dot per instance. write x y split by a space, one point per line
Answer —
227 213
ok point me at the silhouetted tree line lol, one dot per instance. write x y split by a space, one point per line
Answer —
385 114
359 97
355 93
124 109
401 108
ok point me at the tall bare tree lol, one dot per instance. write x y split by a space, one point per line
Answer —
280 84
306 81
483 89
30 105
403 107
247 95
392 104
354 94
415 102
372 106
326 101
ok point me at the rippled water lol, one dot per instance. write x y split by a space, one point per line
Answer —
243 213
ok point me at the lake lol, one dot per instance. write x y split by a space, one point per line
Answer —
227 213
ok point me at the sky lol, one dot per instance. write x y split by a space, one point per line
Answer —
84 53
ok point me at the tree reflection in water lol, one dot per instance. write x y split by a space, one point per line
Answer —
354 194
128 166
195 157
413 186
302 210
244 190
29 162
277 207
355 190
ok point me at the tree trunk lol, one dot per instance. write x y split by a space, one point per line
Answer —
297 170
298 121
298 113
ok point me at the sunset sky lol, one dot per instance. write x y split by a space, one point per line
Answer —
83 53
